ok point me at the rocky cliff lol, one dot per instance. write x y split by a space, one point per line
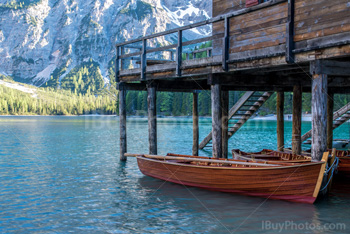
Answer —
46 39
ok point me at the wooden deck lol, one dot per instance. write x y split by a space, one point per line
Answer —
279 45
265 47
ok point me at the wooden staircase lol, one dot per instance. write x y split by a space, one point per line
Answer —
244 108
339 117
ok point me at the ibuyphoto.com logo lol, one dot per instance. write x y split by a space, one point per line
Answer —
293 226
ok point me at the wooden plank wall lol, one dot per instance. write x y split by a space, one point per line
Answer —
259 29
221 7
319 18
263 29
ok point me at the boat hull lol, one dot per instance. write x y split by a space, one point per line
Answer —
294 183
344 162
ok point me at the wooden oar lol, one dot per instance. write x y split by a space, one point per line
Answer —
132 155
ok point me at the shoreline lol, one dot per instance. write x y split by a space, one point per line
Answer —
287 117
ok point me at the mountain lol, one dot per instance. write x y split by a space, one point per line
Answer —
65 42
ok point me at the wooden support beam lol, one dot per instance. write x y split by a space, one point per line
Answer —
179 53
226 43
216 120
319 116
195 124
122 122
296 131
224 121
152 117
171 86
330 67
330 107
280 121
143 59
290 45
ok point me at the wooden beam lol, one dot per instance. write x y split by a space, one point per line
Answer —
224 121
226 44
318 43
261 80
152 117
216 120
296 131
319 116
122 61
290 58
122 122
179 53
195 124
330 67
171 86
280 121
330 107
144 59
117 65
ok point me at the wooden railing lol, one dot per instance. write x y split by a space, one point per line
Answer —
143 50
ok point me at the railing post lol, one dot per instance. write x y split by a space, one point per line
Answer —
143 59
117 65
179 54
122 52
290 33
226 42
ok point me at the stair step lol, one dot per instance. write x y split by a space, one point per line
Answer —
255 100
243 114
251 105
246 110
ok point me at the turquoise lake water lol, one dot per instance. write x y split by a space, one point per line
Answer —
63 175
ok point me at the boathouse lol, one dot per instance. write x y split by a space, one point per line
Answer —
269 46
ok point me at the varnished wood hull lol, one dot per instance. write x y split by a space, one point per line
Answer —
297 183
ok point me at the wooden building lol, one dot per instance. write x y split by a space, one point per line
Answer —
276 45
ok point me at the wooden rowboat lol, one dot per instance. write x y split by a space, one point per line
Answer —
271 156
344 161
286 181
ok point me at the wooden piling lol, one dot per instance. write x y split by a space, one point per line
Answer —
195 124
216 120
319 116
152 117
280 121
330 107
296 131
224 121
122 121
